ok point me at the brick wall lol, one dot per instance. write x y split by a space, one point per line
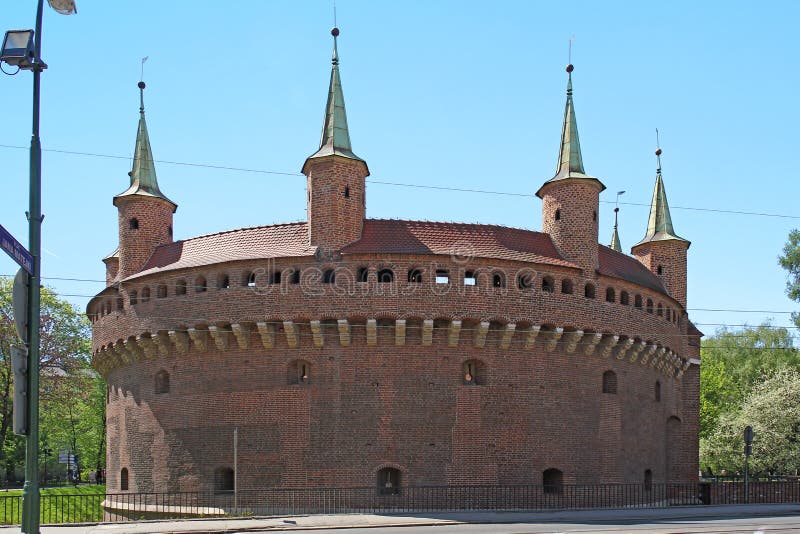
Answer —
154 218
671 257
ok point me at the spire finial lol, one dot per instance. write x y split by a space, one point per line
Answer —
658 153
142 85
615 244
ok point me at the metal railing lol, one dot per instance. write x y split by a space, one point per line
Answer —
94 508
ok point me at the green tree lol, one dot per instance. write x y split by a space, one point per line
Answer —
65 349
790 260
772 408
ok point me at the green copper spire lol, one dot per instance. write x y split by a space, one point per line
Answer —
570 160
335 139
659 226
615 236
143 174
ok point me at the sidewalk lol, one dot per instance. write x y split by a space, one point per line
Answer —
339 521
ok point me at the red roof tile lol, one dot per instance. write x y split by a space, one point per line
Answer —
619 265
277 241
381 236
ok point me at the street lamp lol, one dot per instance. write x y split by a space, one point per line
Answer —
23 48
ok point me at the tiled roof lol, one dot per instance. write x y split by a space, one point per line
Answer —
619 265
277 241
381 236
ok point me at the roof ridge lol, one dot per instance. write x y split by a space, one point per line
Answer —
460 223
237 230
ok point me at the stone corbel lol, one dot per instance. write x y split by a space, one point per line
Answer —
552 337
453 333
316 333
199 338
267 333
133 350
242 334
146 345
372 332
400 332
480 334
161 340
657 356
571 340
651 349
427 332
607 345
220 336
590 342
344 332
508 335
180 340
290 329
530 339
623 348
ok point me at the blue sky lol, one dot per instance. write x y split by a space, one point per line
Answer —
447 93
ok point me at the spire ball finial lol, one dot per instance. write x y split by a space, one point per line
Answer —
616 210
141 85
335 32
570 67
658 152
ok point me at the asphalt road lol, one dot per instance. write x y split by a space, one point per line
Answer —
771 525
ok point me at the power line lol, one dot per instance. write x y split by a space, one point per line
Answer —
397 184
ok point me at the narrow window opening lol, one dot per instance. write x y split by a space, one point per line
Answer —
657 391
248 279
470 278
498 280
162 382
610 382
552 481
295 279
120 304
648 480
548 284
389 481
134 297
133 224
275 277
180 287
525 281
363 274
162 291
146 294
329 276
589 291
660 269
660 310
472 373
610 295
649 305
442 276
669 314
415 276
123 479
638 301
624 298
566 286
558 214
385 276
223 480
200 285
594 216
224 282
169 231
347 191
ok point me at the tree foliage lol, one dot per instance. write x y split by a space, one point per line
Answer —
772 408
69 412
790 260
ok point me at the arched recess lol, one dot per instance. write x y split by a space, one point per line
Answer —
672 449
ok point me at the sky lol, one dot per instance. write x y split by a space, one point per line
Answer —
450 94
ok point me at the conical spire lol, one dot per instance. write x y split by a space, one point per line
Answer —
570 160
659 225
335 139
615 236
143 174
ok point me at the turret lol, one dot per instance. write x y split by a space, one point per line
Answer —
145 213
662 250
335 175
570 200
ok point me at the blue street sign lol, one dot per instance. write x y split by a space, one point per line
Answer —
14 249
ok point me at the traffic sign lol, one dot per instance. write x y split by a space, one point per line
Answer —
19 301
13 248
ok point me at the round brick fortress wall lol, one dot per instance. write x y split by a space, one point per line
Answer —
490 378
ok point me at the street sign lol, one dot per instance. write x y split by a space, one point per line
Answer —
13 248
19 301
65 457
748 435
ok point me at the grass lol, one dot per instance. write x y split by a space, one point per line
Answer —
67 504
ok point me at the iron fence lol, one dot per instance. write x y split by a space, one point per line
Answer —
110 507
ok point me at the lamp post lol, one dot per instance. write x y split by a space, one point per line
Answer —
23 49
